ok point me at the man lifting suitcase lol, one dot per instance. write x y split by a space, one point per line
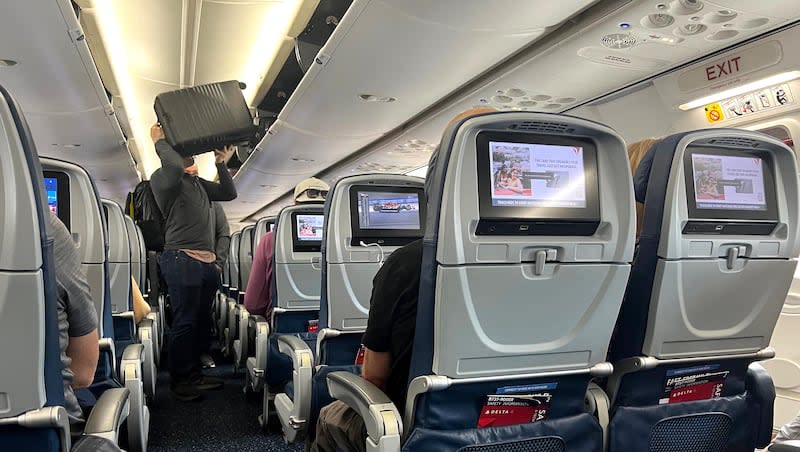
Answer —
188 260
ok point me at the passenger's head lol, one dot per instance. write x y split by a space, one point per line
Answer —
311 190
636 152
189 166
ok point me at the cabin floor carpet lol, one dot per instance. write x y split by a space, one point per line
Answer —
224 420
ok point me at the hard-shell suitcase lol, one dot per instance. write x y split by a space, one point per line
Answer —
205 117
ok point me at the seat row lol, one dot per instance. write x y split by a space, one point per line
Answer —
530 291
110 248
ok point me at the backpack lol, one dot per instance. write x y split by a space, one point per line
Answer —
148 216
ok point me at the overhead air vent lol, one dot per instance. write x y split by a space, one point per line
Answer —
618 41
543 127
735 142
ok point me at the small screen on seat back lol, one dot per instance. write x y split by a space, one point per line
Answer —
536 184
727 182
730 184
309 228
51 187
388 210
537 175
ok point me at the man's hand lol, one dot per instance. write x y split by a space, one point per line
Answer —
156 133
219 268
222 156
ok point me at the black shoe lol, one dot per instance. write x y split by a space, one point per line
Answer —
185 391
207 361
206 383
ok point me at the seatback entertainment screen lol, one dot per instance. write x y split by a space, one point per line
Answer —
51 187
388 210
309 228
386 215
727 184
537 175
534 184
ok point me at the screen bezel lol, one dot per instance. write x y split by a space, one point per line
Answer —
771 214
590 213
62 194
387 237
298 245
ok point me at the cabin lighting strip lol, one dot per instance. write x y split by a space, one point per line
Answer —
776 79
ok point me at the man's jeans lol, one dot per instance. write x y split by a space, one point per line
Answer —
191 286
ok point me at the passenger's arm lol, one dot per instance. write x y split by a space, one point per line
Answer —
84 352
257 291
140 307
225 190
376 367
171 162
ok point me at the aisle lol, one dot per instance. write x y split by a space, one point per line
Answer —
222 421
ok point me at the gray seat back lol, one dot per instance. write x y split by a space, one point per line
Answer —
297 271
88 230
142 260
245 256
22 290
721 293
506 302
233 259
350 266
119 257
136 254
264 225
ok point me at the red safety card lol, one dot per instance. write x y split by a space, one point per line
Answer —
360 356
500 410
694 383
313 326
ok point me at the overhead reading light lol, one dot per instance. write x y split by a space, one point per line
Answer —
7 63
776 79
373 98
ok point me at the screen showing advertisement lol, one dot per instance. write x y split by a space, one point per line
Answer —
724 182
309 228
51 187
537 175
388 210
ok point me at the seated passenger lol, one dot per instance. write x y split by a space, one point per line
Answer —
77 319
257 296
140 307
388 340
789 432
636 153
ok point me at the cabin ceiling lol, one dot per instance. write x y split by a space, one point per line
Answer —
147 47
560 71
386 61
58 87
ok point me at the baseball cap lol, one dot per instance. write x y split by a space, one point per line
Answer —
311 190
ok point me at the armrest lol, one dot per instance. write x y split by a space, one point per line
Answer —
296 348
294 413
786 446
91 443
762 391
262 340
107 347
108 414
381 417
133 352
129 316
